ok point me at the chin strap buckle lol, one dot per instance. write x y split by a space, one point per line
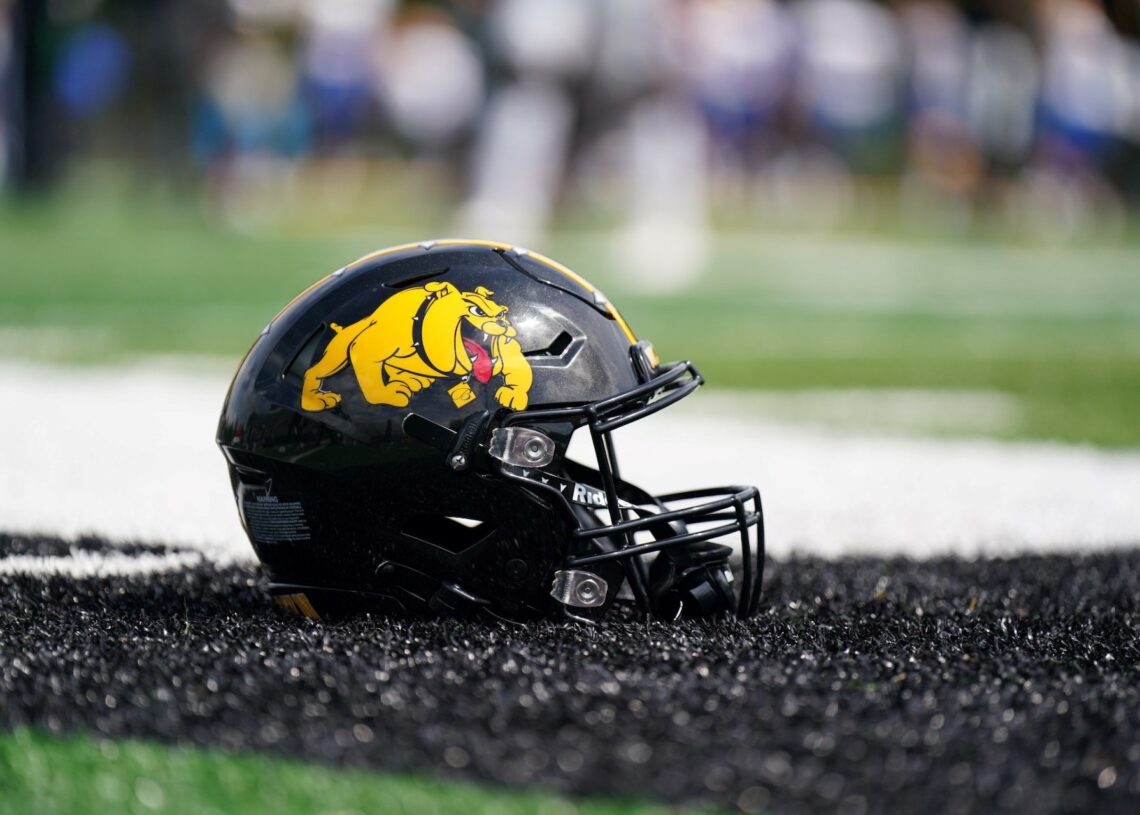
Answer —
461 448
462 452
692 583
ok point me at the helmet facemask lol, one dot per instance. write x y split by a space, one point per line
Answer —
661 547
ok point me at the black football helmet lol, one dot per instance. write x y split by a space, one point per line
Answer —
397 442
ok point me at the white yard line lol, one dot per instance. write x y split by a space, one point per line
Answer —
128 453
124 453
829 492
94 564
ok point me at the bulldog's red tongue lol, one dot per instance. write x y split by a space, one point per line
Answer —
481 365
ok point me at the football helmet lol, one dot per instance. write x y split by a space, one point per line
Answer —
397 442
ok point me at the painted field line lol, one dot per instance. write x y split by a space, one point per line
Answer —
97 564
128 453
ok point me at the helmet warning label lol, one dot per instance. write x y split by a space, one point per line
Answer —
270 520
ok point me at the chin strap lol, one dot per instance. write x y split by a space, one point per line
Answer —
461 448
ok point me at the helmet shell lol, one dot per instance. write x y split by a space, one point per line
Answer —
332 491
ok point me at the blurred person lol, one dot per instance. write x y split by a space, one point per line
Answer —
1125 169
92 70
943 167
734 58
30 121
665 241
518 161
843 101
1084 100
168 39
90 77
251 103
251 124
629 68
543 50
7 89
552 40
658 140
1083 108
336 66
850 80
429 78
937 40
631 48
1001 93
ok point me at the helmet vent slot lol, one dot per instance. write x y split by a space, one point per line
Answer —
453 534
556 348
251 477
415 277
303 359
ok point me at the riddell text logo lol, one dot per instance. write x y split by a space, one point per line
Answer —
588 495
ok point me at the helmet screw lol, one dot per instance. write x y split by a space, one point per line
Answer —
516 568
534 450
458 462
587 591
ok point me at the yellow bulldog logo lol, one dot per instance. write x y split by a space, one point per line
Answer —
419 336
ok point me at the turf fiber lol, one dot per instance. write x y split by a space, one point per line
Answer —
865 685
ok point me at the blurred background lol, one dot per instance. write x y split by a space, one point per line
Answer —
913 214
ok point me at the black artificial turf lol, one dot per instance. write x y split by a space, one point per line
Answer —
865 685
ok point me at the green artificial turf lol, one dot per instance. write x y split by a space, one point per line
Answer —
1056 327
42 774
